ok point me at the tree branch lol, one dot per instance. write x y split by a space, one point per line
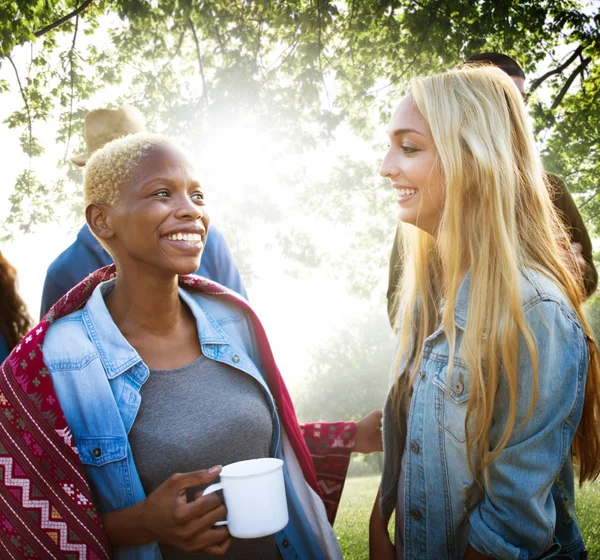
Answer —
200 65
319 49
72 77
24 96
539 81
62 20
587 201
579 70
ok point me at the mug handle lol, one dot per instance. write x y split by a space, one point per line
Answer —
214 488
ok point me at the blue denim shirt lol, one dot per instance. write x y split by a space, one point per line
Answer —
85 255
97 376
527 509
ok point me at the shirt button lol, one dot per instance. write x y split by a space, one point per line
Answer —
415 514
97 452
285 543
236 359
415 447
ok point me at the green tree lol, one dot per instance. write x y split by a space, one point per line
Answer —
302 65
350 373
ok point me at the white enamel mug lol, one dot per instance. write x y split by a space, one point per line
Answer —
254 495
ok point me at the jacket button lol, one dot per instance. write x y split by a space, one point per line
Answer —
236 359
415 447
285 543
415 514
97 452
459 386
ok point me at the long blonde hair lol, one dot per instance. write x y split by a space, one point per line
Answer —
497 218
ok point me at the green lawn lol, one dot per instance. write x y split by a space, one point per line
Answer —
352 521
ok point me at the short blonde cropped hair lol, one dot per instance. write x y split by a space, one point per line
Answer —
109 168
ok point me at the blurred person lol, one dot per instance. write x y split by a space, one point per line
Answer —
497 393
577 234
141 383
14 319
85 254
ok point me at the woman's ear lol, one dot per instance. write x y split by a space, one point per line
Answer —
98 220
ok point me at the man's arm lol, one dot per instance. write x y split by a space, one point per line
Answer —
330 445
569 213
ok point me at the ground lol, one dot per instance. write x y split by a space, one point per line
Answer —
352 521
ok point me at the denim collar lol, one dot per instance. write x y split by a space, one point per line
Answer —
116 354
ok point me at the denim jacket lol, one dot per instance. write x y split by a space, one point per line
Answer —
527 509
97 376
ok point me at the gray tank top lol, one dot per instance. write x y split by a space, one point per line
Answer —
203 414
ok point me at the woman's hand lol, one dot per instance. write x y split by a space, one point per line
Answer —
380 544
166 516
368 433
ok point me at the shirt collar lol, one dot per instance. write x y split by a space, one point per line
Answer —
116 354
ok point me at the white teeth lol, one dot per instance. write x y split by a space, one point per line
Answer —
193 238
407 192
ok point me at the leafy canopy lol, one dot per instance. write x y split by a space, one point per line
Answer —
306 64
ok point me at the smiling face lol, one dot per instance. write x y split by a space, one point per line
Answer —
411 164
160 220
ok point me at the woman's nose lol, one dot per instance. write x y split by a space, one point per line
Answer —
388 168
190 210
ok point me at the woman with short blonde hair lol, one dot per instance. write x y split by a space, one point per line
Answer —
497 389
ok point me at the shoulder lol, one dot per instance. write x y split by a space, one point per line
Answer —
215 235
543 300
67 342
219 308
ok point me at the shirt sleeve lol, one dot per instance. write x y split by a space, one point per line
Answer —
4 351
568 211
516 518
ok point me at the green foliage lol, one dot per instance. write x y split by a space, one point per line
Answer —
300 65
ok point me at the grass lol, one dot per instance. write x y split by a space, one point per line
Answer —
352 524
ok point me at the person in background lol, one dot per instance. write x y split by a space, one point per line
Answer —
579 238
14 319
493 415
85 254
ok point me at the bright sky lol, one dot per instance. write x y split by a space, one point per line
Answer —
299 315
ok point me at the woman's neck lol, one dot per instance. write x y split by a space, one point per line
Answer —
145 303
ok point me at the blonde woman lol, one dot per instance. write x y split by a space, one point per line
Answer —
496 400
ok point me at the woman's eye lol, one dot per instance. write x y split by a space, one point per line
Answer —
409 149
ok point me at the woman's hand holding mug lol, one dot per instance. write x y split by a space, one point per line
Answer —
167 517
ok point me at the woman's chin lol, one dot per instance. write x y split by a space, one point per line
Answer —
190 268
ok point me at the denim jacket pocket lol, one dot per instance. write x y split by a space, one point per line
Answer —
107 468
451 400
